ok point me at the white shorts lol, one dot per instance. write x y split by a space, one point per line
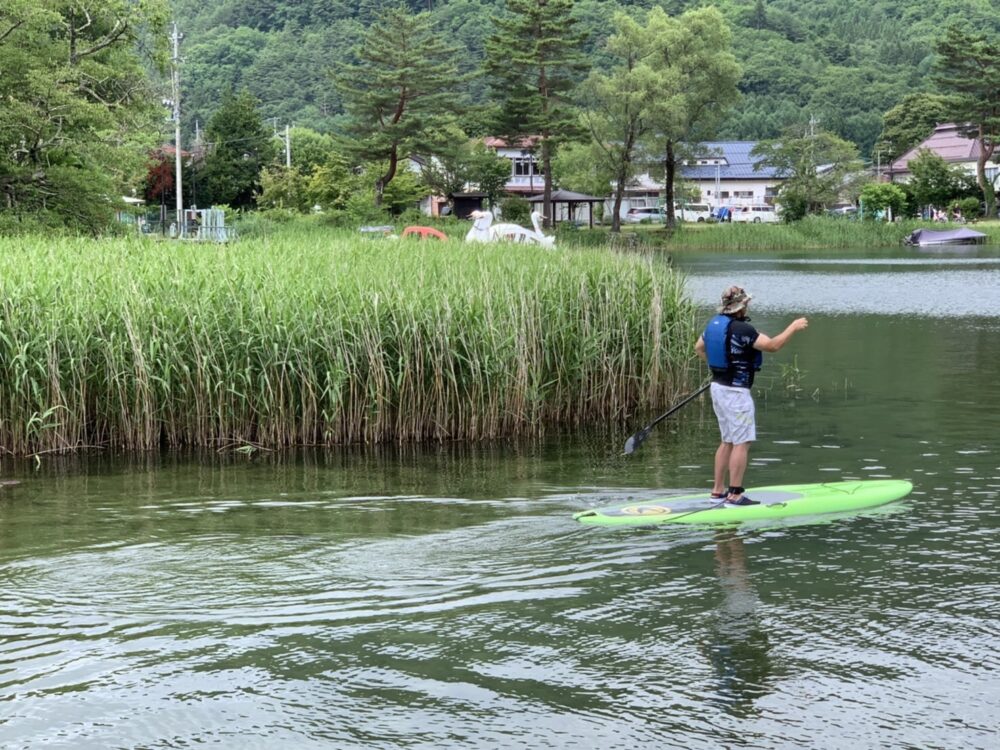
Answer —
735 411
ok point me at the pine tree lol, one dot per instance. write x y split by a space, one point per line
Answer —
758 18
968 71
240 146
534 59
401 94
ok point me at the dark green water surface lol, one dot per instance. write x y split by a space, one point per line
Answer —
444 597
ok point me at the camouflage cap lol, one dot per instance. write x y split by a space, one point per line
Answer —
734 299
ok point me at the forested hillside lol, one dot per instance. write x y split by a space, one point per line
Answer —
843 62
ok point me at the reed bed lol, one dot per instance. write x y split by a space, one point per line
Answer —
308 339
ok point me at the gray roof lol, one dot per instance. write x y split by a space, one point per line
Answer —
739 163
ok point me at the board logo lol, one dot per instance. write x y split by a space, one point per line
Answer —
645 510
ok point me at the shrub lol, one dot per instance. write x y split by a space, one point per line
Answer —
970 208
515 210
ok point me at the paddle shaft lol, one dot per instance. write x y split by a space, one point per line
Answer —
638 438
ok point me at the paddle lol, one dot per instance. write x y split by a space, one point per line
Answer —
638 438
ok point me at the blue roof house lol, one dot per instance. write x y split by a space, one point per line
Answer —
722 171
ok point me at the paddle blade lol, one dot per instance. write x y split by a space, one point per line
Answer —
633 443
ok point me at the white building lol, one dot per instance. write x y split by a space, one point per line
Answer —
526 176
723 173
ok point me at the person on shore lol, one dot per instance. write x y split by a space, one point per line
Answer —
733 349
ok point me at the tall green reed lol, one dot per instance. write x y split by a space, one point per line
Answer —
309 338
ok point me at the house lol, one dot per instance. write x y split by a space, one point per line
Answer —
526 176
721 173
951 146
429 205
726 174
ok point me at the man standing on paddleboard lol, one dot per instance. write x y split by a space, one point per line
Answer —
733 349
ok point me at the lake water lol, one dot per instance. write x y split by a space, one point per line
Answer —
444 597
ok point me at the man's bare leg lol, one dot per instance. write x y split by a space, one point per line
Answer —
722 462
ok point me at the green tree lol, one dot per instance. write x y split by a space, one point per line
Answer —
815 165
405 192
331 184
466 162
846 63
937 183
968 71
910 122
533 60
239 147
882 197
311 149
617 105
401 94
489 172
697 84
582 167
77 114
515 209
284 188
449 170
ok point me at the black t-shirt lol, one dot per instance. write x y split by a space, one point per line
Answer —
742 356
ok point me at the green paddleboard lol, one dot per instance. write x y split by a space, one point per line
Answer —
784 501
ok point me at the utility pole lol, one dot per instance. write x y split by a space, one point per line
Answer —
175 79
718 187
288 148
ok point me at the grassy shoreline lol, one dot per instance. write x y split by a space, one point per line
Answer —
812 233
322 338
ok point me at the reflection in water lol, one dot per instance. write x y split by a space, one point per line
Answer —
739 649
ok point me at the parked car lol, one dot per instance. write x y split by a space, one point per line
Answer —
849 212
650 214
756 214
692 211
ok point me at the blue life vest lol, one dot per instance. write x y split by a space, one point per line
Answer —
718 348
716 339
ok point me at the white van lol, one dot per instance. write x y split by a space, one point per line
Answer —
652 214
692 211
755 214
